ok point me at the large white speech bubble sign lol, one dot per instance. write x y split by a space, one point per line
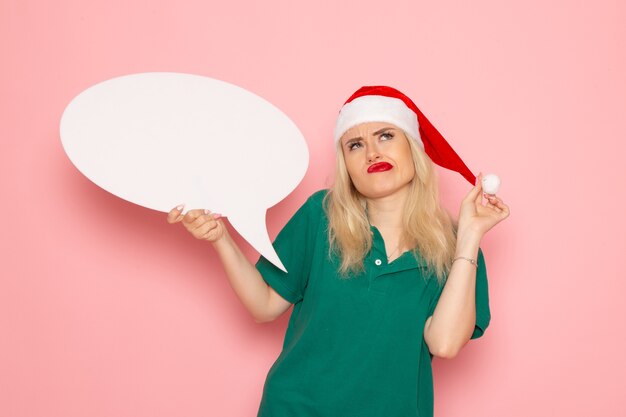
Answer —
159 139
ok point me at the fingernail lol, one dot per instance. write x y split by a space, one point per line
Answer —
217 215
206 211
180 206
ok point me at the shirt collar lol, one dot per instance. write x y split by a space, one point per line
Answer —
405 261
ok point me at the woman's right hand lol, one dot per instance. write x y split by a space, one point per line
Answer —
202 224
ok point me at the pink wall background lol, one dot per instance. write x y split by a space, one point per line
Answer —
106 310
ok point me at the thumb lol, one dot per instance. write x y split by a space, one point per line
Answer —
479 188
475 193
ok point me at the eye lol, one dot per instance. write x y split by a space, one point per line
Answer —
351 146
387 134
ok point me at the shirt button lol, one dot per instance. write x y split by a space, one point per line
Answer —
378 262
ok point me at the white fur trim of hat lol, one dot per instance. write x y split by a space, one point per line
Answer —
374 108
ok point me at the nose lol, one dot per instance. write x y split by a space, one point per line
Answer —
372 154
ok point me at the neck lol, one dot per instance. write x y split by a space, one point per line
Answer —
386 212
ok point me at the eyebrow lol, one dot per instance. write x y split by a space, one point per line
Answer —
379 131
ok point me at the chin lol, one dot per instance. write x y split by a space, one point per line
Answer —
380 190
377 192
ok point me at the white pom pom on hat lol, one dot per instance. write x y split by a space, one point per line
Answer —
386 104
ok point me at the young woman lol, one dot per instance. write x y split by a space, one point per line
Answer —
380 276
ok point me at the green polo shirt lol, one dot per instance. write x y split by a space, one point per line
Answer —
352 347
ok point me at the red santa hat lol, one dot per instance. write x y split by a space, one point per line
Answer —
386 104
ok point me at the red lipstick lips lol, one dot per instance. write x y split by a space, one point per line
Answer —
380 167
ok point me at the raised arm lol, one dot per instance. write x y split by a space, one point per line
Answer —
263 303
260 299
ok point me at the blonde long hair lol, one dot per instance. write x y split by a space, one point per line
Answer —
428 228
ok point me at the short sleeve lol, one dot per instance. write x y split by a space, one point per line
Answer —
483 314
294 245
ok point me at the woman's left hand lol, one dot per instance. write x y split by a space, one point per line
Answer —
478 218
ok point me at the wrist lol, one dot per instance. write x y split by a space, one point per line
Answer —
468 234
467 244
222 242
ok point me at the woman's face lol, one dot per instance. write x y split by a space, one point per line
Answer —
378 158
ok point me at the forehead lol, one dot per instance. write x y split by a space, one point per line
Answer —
366 129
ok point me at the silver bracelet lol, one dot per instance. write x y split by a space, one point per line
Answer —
473 261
